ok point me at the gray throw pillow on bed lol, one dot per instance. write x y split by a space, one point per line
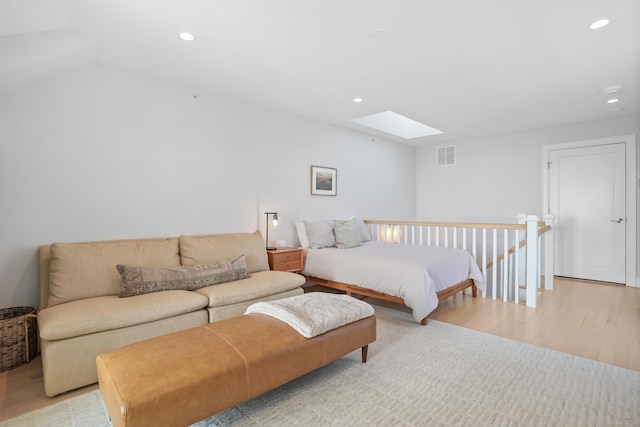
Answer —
320 234
362 229
346 233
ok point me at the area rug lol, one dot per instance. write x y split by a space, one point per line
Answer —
434 375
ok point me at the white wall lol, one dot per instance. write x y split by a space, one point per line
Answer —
103 154
497 178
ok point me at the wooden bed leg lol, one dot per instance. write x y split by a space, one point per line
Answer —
474 290
365 350
424 322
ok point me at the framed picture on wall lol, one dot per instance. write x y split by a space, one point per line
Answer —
324 181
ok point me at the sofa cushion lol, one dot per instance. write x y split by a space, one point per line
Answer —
105 313
86 270
258 285
216 247
143 280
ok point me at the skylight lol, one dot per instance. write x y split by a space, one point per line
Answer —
396 124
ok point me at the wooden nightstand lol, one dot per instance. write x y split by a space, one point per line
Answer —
286 259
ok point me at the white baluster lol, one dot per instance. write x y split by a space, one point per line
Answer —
473 242
548 252
464 238
539 264
455 237
516 275
494 272
505 261
484 261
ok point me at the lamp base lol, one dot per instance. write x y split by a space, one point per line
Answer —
271 248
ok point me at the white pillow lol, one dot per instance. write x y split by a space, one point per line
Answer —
302 234
320 234
346 233
362 229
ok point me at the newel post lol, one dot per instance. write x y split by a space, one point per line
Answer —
532 261
548 252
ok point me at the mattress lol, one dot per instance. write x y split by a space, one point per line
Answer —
414 273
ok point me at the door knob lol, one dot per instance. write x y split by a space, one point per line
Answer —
618 220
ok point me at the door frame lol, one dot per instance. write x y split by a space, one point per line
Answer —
630 191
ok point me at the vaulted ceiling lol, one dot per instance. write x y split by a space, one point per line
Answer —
468 68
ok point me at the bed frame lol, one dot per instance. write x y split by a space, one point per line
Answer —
358 290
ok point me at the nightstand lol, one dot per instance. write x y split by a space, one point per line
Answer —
286 259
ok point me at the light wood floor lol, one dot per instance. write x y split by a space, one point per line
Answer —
588 319
594 320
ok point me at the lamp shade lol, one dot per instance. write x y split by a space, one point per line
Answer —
275 224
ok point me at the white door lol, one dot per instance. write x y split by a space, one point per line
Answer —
587 195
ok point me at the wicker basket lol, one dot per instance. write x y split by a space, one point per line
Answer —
18 336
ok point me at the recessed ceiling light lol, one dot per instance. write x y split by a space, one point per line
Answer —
612 100
357 99
378 33
599 24
396 124
188 37
610 90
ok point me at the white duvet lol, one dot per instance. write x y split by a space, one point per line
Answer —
412 272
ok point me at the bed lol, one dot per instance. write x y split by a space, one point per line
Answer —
414 275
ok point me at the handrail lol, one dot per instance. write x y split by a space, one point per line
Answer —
453 224
523 242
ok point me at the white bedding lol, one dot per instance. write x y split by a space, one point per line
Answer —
412 272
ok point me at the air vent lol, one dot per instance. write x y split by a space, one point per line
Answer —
447 155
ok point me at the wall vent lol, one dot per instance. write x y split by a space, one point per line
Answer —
447 155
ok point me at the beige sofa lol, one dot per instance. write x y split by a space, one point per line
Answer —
82 314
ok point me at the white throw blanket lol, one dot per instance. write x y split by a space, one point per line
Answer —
314 313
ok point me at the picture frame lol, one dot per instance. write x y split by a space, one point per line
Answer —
324 181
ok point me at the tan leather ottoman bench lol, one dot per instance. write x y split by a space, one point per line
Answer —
184 377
